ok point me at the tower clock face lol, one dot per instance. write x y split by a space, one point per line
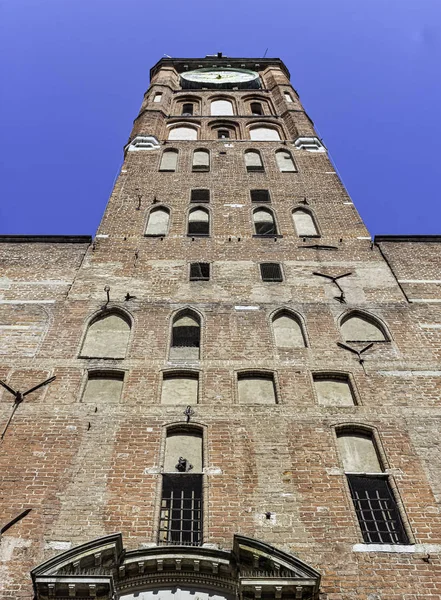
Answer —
221 78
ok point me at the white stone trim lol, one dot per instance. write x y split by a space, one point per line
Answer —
310 144
404 549
246 307
425 300
419 280
142 142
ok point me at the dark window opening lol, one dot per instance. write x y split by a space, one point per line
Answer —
260 196
223 134
256 108
199 271
377 511
200 228
200 195
186 336
271 272
187 109
181 510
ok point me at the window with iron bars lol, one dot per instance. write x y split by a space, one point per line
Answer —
199 271
260 196
377 510
181 510
200 195
187 336
271 272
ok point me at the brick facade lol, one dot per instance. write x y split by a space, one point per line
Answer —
91 469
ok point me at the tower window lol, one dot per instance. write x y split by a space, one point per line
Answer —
253 161
285 161
180 388
256 388
157 97
200 195
374 501
107 337
157 224
304 223
271 272
287 97
201 160
333 389
362 328
264 223
264 134
221 107
256 109
103 387
199 271
186 336
183 133
169 160
288 331
187 109
199 222
223 134
260 196
180 520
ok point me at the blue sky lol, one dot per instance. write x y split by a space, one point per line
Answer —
73 74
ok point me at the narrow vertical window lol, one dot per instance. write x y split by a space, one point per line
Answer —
107 337
288 331
371 492
304 223
181 501
285 161
287 97
201 160
186 336
199 222
157 224
253 160
256 109
169 160
187 109
264 223
157 97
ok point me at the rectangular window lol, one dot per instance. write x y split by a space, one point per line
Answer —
200 195
287 97
181 510
158 97
187 109
376 509
271 272
199 271
223 134
260 196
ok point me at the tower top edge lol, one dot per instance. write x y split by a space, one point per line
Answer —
183 64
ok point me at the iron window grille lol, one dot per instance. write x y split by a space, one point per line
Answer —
200 195
376 509
180 520
260 195
199 271
271 272
199 228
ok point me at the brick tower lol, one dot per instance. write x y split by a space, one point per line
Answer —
232 391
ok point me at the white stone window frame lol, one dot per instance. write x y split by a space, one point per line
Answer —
310 144
142 142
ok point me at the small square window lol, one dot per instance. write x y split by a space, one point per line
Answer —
199 271
260 196
223 134
187 109
200 195
271 272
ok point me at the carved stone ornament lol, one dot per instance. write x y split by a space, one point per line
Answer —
102 569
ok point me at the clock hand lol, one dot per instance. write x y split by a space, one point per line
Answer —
39 386
6 386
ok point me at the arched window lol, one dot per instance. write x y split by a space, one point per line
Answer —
374 501
199 222
157 225
285 161
264 134
186 336
334 389
221 107
256 108
223 131
183 133
103 387
304 223
181 502
264 223
256 387
201 160
107 336
253 160
180 388
169 160
288 331
358 327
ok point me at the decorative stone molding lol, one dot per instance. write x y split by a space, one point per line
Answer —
101 569
142 142
311 144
